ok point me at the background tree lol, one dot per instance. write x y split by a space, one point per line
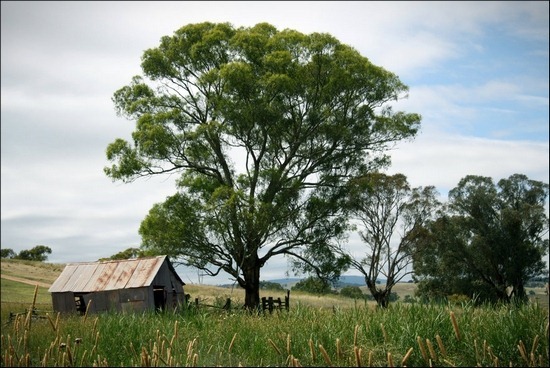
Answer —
268 285
391 216
127 253
352 292
38 253
313 285
491 241
265 127
7 253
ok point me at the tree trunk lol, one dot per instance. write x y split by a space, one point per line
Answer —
381 296
519 295
252 288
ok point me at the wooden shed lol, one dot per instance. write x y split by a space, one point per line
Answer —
122 285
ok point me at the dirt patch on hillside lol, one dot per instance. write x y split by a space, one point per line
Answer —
25 281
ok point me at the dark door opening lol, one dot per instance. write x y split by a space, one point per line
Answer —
160 297
80 305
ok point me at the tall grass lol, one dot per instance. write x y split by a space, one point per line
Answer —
411 335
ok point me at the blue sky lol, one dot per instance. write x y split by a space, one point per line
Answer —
477 73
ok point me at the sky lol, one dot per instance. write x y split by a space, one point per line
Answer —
477 73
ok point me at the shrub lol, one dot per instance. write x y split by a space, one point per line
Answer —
352 292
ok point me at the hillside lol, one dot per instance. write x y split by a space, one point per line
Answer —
20 277
31 270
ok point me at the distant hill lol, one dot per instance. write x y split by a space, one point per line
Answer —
289 282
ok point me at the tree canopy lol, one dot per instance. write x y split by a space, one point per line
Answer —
7 253
391 216
38 253
264 127
490 242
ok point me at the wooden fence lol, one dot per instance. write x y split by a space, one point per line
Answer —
268 303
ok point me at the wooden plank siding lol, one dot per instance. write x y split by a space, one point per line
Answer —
123 285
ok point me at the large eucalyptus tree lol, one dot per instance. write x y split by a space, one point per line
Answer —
265 127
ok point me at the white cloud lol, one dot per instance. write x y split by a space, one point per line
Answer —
62 62
442 160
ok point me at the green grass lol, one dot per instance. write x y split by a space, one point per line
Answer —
345 329
210 337
17 292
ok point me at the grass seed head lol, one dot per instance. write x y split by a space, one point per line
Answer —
407 356
325 355
455 325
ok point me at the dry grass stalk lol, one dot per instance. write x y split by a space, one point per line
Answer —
355 332
325 355
172 340
522 351
357 351
390 360
370 359
431 349
232 343
448 362
95 343
29 315
69 355
422 348
192 345
195 360
455 325
535 344
51 322
492 356
87 309
293 362
441 346
57 320
95 325
26 340
338 349
312 350
288 344
145 359
476 352
407 356
82 358
275 347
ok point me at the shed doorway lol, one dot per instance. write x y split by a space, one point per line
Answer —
159 294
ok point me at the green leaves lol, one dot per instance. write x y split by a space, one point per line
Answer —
129 163
492 238
265 127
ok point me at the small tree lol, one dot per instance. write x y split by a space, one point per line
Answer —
352 292
7 253
268 285
38 253
387 208
313 285
128 253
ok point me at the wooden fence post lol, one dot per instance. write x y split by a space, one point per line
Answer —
287 300
270 304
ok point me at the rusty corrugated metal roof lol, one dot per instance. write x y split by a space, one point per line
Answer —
110 275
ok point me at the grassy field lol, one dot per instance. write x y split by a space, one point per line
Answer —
317 331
